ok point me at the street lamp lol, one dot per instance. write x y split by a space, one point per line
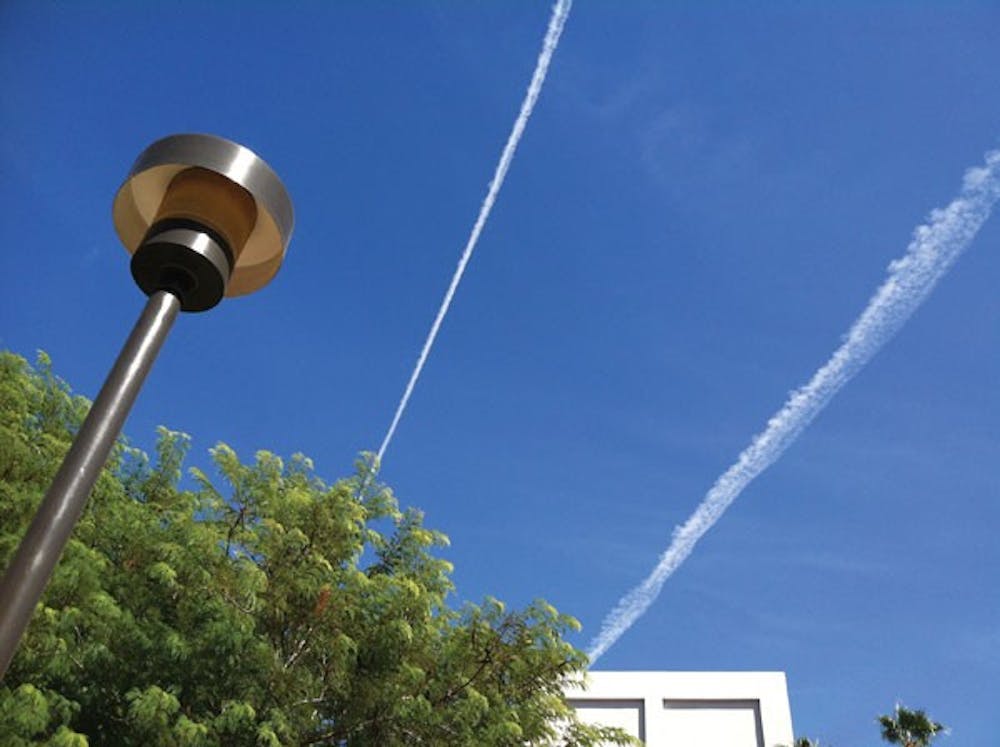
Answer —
202 218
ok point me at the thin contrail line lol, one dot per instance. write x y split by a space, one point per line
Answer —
934 248
560 12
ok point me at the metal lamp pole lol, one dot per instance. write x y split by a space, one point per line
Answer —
203 218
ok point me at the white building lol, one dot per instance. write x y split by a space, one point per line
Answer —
690 709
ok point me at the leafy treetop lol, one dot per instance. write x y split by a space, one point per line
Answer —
265 607
909 728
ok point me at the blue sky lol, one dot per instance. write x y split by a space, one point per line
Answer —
705 198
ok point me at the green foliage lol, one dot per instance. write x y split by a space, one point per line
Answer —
904 727
803 742
909 728
265 607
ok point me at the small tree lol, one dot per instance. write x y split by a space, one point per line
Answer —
804 742
909 728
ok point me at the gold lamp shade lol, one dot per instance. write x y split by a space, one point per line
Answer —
215 183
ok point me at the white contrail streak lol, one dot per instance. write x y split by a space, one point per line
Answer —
934 248
560 12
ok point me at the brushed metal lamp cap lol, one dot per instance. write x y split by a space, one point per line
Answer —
219 192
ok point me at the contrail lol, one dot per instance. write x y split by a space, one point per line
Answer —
560 12
934 248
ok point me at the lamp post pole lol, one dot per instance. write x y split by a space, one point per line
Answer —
203 217
29 571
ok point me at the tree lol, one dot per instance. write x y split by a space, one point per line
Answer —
804 742
909 728
265 607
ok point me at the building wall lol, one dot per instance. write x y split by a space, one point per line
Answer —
690 709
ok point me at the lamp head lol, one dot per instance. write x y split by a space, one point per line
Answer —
203 217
